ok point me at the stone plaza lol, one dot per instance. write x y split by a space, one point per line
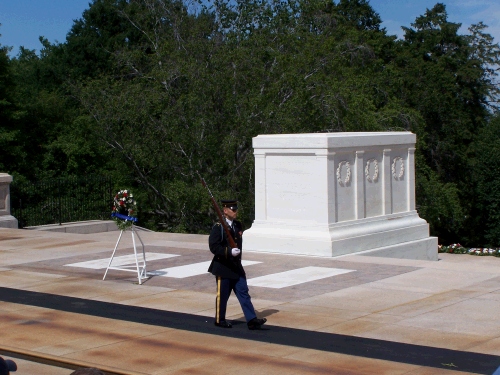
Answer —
353 314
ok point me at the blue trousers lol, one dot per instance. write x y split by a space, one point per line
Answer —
240 287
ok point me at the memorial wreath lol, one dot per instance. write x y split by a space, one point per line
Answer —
124 209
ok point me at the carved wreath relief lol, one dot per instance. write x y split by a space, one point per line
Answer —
398 174
374 177
347 178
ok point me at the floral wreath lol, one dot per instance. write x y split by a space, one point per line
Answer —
124 209
348 174
367 170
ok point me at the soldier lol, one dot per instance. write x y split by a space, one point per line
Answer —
227 268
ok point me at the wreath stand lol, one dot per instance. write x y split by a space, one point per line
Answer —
141 270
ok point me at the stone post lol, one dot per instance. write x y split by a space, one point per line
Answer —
6 219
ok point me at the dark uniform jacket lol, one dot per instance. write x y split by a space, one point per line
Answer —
224 264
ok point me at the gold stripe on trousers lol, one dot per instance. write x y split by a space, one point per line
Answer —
217 301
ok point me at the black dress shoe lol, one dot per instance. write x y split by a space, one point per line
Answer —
256 323
223 324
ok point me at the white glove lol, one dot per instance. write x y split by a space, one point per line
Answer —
235 251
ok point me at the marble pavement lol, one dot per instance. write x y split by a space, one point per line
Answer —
353 314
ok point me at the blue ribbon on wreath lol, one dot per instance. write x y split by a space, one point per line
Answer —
124 217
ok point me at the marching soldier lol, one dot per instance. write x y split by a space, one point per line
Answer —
227 268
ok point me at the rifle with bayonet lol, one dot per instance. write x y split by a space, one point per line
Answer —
219 213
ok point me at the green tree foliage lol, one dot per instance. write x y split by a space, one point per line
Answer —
444 81
53 134
13 154
45 113
448 79
486 173
94 40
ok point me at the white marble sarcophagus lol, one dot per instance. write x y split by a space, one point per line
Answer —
332 194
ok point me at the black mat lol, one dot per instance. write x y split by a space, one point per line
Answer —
351 345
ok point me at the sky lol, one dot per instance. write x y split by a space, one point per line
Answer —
24 21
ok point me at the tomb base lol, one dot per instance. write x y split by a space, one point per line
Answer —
399 236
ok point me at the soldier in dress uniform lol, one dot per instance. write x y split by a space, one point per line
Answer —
226 267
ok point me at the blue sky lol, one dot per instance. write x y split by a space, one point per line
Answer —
23 21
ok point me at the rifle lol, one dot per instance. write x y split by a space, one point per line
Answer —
219 213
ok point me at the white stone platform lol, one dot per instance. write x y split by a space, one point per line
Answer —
333 194
81 227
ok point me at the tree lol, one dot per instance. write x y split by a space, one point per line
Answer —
12 154
486 172
360 14
444 76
